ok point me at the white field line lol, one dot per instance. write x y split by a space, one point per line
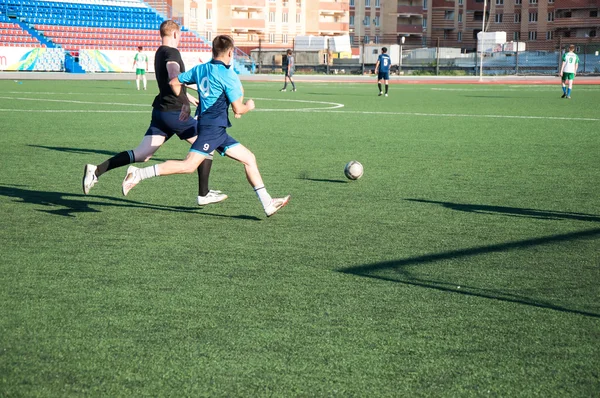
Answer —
515 88
74 102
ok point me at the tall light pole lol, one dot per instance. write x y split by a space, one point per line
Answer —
481 47
401 43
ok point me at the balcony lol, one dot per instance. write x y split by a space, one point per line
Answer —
247 25
409 10
331 8
572 4
574 22
334 27
244 5
404 29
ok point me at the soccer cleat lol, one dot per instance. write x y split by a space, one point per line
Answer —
380 94
276 204
89 178
131 179
283 90
293 89
211 197
568 97
564 96
386 94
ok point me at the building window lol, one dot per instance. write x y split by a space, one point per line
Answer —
517 18
378 3
284 38
459 36
209 13
549 35
208 35
271 38
533 35
516 36
551 16
298 18
592 33
445 34
376 20
351 20
499 2
424 23
271 16
366 39
376 39
518 2
533 17
498 18
475 32
284 17
424 4
594 14
550 1
449 15
351 3
460 2
460 17
533 1
478 16
367 3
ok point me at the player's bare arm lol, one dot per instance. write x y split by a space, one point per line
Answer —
239 108
377 67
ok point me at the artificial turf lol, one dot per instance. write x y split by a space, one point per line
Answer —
465 262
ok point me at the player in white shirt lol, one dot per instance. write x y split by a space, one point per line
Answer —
140 63
568 70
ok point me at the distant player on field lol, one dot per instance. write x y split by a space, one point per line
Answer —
382 68
288 70
218 86
170 116
140 63
568 70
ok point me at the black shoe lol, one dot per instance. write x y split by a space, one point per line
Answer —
564 96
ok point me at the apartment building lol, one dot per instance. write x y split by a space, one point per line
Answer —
274 22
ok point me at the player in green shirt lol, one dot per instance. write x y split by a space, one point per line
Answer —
140 63
568 70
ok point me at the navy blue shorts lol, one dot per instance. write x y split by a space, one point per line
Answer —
211 138
288 74
383 76
167 124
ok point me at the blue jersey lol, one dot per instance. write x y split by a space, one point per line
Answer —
218 86
384 63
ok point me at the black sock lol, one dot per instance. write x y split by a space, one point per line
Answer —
119 160
285 84
386 88
293 85
379 85
203 174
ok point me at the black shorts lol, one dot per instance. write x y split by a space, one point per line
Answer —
383 76
168 124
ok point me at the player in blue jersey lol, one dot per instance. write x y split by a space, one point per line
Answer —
382 69
218 87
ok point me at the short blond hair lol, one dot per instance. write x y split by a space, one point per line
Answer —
572 47
168 27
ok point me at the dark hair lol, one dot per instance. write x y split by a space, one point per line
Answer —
221 44
289 51
384 50
168 27
140 48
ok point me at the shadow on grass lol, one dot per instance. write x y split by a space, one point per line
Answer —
323 180
70 204
513 211
83 151
403 276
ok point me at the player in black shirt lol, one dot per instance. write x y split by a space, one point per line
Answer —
170 116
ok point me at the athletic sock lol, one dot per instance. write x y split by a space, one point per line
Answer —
137 83
203 174
119 160
148 172
285 85
379 85
293 85
263 196
386 88
564 89
568 92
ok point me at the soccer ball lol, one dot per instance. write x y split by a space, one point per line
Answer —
353 170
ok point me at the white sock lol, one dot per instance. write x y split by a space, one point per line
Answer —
137 83
144 82
263 196
148 172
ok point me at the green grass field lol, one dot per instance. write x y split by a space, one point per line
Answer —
466 261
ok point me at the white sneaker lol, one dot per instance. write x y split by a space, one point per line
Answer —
386 94
380 93
211 197
276 204
294 89
283 90
89 178
131 179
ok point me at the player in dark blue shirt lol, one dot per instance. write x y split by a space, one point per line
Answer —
382 69
218 87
